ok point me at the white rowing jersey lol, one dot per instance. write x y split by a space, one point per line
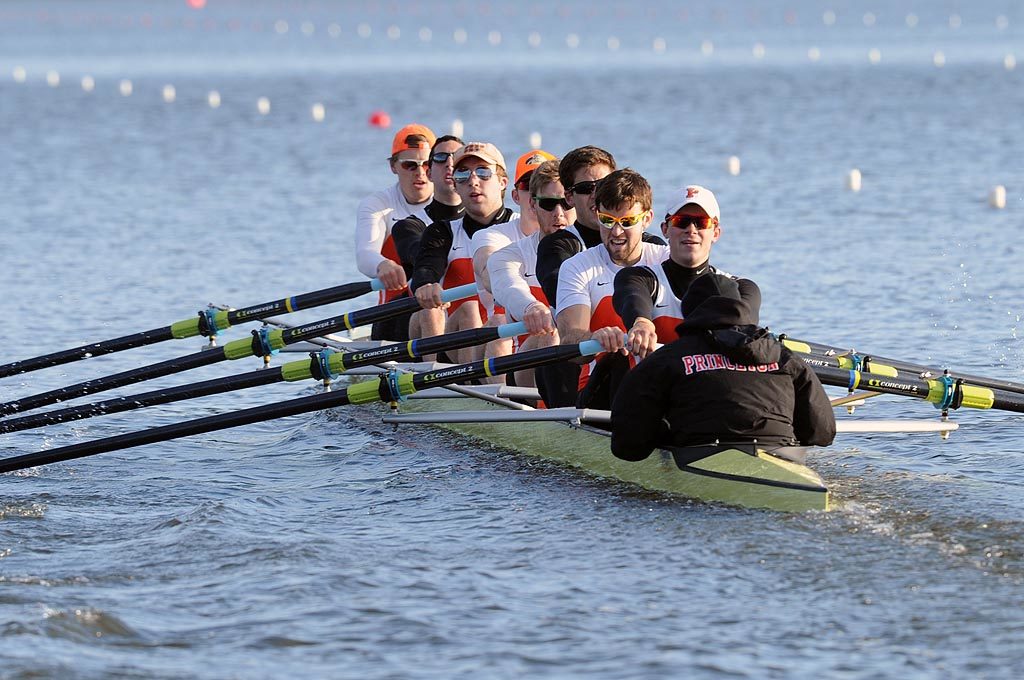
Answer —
497 236
376 214
587 279
513 271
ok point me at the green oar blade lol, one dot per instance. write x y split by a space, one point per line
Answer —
381 389
192 327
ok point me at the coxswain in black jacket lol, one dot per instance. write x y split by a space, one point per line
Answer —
724 379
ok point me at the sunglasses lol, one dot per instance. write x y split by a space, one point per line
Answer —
548 203
411 165
482 172
627 222
586 187
440 157
701 222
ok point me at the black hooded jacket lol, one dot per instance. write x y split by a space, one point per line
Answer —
725 380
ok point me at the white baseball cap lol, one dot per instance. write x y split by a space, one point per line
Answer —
696 195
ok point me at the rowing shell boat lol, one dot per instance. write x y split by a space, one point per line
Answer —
734 474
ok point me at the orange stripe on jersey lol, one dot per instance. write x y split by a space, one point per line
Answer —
665 326
389 251
460 273
605 315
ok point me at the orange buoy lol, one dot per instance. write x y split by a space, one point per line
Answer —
380 119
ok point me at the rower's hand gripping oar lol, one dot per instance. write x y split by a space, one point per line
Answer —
263 343
391 387
208 323
323 365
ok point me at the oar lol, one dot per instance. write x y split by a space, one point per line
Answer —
208 322
263 343
944 392
388 388
319 366
863 361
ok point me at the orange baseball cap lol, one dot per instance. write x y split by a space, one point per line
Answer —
530 161
401 143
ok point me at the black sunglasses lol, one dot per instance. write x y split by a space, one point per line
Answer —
548 203
586 187
441 156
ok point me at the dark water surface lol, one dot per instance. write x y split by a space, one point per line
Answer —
331 545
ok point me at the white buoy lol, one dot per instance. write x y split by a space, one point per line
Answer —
955 21
912 20
52 78
1009 62
613 43
308 28
19 74
263 106
88 84
280 26
875 55
869 19
814 54
707 48
457 127
572 41
1002 23
853 180
318 112
533 40
494 38
426 35
997 197
334 30
169 93
213 99
535 140
125 88
460 36
364 30
939 59
659 45
394 32
828 18
732 165
758 51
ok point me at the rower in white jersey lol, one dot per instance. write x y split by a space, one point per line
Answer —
376 256
585 281
490 240
444 259
513 269
648 299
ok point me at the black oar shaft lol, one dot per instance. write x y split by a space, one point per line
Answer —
237 349
110 382
67 356
952 394
317 298
292 371
367 392
191 327
905 368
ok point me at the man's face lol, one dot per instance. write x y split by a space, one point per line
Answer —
623 243
441 173
411 168
584 202
558 217
688 245
480 196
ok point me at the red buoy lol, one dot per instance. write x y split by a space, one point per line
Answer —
197 4
380 119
